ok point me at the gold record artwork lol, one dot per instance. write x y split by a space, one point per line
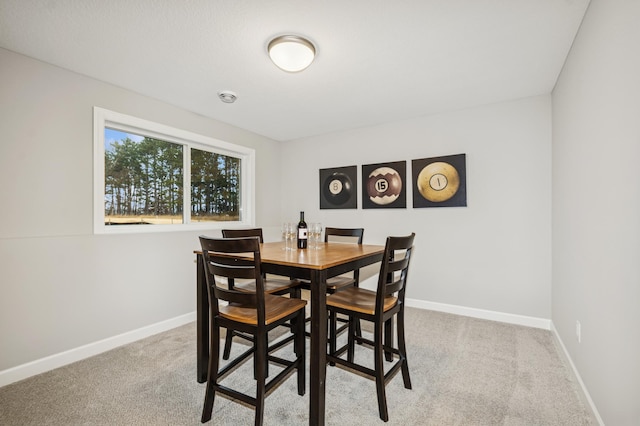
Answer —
438 181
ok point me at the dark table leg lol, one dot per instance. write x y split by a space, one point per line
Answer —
318 364
202 321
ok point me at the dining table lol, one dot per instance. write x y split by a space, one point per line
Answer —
315 265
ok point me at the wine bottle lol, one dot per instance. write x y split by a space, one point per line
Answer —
302 232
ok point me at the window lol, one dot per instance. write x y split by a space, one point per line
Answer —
141 170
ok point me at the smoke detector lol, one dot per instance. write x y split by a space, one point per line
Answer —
227 96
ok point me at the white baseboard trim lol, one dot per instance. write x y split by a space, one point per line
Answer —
42 365
481 314
568 359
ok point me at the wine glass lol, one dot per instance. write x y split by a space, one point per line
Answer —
286 234
316 231
284 230
311 236
291 233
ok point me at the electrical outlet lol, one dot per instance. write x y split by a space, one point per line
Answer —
578 331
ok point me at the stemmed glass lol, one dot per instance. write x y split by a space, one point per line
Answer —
289 230
283 232
315 230
311 237
293 236
319 236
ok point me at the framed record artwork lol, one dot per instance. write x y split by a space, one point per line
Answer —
339 188
440 181
384 185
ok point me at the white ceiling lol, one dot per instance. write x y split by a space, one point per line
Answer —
378 61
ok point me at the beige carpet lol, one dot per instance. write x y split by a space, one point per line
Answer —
464 371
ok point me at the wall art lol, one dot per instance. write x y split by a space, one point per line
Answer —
384 185
440 181
339 188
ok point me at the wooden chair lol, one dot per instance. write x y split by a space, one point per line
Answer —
378 307
341 282
255 313
273 286
353 235
334 284
242 233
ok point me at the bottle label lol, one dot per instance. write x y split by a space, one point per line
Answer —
302 233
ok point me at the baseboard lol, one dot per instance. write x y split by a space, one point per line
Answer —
569 361
39 366
481 313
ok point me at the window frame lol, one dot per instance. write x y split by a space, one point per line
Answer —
104 118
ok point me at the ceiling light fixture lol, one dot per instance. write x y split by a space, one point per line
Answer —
291 53
227 97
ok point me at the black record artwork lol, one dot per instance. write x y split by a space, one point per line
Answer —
338 188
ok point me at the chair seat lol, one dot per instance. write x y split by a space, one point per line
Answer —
333 284
359 300
271 286
276 307
336 283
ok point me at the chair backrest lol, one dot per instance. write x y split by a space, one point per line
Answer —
226 259
394 268
348 235
239 233
355 233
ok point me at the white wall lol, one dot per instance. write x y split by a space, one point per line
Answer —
62 287
492 255
596 207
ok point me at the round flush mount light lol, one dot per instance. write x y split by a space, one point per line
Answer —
227 96
291 53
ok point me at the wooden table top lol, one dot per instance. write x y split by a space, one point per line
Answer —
328 255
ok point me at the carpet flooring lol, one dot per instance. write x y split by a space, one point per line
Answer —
464 371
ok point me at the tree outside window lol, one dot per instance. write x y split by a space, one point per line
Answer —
145 175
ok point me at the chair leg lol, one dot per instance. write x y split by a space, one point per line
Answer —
212 378
388 338
255 366
260 362
294 293
403 351
357 320
351 339
332 334
299 348
227 344
379 370
358 331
